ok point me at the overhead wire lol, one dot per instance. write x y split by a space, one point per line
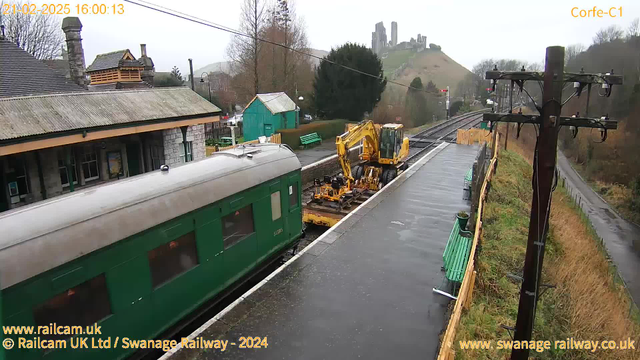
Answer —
188 17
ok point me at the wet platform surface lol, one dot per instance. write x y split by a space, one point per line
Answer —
317 152
364 288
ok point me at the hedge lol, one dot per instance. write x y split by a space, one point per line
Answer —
327 129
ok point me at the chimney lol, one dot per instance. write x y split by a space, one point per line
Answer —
149 70
72 27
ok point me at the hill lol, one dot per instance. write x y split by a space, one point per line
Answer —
224 66
430 65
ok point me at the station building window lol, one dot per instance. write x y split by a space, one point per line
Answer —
276 210
237 226
293 195
82 305
62 168
17 178
90 166
173 258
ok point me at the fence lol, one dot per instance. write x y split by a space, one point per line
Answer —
466 289
473 135
216 131
273 139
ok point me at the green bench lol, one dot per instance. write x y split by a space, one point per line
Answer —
456 253
310 139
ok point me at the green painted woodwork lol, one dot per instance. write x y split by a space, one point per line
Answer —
310 139
456 253
259 121
140 311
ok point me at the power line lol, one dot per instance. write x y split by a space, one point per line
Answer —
183 16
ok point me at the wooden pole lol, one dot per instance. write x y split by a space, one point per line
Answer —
544 164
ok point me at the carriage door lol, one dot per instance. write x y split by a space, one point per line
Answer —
294 213
277 201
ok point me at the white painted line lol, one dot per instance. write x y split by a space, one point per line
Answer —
323 160
218 316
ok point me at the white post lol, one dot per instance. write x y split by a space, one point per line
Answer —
448 98
233 135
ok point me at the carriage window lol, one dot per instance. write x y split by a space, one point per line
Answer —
173 258
293 195
82 305
237 226
276 211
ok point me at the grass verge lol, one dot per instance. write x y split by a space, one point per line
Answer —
588 303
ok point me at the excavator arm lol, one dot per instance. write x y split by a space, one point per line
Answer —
365 130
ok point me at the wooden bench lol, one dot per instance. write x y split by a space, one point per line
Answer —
456 253
310 139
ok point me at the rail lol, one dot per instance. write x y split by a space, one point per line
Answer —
466 289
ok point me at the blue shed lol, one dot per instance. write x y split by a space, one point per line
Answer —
268 113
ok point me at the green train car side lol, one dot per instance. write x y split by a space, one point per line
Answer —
140 286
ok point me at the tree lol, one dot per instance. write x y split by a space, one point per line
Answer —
609 34
175 74
433 46
416 104
634 28
39 35
571 52
244 52
344 93
430 88
285 69
174 78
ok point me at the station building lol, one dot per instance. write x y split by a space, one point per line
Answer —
59 133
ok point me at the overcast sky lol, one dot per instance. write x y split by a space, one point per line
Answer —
468 31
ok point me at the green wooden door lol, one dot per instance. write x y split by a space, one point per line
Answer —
133 159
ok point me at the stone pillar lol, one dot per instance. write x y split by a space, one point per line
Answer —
72 28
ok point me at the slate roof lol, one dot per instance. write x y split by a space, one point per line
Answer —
21 74
112 60
45 114
276 102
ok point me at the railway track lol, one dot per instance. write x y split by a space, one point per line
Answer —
430 137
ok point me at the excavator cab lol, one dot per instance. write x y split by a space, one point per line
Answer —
392 144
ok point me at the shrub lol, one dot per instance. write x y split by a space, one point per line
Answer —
327 129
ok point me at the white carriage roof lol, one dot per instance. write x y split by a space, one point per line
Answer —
39 237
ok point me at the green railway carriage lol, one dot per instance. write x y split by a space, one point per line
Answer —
138 255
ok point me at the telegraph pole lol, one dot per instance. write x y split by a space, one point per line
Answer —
544 164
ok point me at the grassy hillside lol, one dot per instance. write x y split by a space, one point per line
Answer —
428 65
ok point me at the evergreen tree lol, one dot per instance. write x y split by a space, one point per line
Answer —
344 93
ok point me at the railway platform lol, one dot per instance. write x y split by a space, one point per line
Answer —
363 289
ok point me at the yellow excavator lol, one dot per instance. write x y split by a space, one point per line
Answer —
383 154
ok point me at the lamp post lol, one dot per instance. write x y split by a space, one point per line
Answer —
208 82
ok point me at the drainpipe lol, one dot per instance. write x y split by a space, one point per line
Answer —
69 169
184 141
43 189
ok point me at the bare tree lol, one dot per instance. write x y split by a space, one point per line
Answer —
571 52
39 35
634 28
608 34
244 52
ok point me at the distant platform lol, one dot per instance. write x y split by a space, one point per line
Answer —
316 153
364 288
